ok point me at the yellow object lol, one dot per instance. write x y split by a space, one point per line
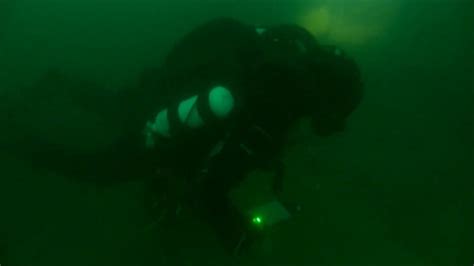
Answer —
317 21
353 22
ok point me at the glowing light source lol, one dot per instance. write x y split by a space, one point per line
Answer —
257 220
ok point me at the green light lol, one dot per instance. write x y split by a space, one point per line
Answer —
257 220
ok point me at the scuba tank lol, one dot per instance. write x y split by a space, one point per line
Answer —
190 114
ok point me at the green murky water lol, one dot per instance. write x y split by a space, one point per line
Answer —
396 189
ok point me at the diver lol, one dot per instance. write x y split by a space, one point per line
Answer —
223 101
219 106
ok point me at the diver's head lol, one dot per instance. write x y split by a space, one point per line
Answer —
337 91
327 83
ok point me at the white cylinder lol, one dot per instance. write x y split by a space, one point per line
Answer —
189 114
221 103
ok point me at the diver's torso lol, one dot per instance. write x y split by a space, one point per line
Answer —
228 54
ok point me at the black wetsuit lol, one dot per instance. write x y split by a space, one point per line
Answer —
268 75
261 71
275 76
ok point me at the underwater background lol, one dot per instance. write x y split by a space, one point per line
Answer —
396 189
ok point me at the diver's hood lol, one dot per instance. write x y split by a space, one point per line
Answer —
339 90
326 83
